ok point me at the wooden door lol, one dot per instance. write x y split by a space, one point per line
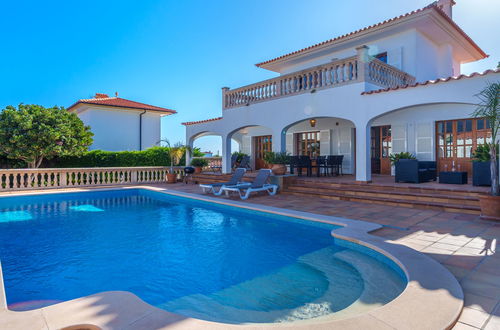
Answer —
262 144
308 144
457 139
381 148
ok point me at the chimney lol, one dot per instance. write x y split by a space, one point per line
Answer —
101 96
445 6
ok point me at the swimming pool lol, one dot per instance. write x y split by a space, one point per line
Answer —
194 258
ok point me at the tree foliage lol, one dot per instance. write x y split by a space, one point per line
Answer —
32 133
489 108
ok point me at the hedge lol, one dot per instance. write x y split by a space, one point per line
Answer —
155 156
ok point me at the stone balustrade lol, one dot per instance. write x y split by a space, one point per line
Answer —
386 75
360 68
318 77
42 178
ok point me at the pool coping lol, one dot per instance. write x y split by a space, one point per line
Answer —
433 298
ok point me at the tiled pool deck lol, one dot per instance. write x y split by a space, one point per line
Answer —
462 243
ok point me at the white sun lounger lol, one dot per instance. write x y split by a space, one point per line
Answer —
235 179
258 184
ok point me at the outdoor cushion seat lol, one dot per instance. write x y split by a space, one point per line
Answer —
412 170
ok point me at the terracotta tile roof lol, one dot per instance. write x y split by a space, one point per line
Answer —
432 82
432 6
200 121
103 99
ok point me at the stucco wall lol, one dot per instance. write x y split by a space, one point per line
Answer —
118 130
413 128
416 107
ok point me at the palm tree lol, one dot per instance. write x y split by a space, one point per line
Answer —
489 108
175 151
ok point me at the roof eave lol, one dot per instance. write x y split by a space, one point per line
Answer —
166 112
275 64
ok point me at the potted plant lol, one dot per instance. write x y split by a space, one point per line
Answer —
489 108
198 164
176 152
394 158
481 162
277 161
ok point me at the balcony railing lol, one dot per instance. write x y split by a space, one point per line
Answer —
337 73
385 75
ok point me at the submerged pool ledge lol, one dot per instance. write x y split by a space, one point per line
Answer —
433 299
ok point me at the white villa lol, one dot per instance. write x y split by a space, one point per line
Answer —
391 87
119 124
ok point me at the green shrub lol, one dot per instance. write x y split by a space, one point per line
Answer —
400 155
272 157
199 162
482 153
155 156
240 156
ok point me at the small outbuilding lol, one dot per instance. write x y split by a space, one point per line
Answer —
119 124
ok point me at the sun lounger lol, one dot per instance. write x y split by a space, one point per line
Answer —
216 188
258 184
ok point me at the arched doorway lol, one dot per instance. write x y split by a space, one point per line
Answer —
255 141
322 136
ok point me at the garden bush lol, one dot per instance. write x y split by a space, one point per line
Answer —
155 156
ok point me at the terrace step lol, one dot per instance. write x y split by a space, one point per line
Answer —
390 187
383 193
368 194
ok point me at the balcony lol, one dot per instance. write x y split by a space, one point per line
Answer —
360 68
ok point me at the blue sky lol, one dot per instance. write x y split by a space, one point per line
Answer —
178 54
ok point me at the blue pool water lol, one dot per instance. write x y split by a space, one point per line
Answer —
190 257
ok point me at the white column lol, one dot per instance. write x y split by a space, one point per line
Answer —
279 140
226 154
189 151
363 161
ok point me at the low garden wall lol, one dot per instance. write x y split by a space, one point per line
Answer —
41 178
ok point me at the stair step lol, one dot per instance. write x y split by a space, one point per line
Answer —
404 195
374 186
461 208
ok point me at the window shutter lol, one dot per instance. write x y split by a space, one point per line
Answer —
424 145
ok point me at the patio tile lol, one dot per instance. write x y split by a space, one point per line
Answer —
468 251
481 303
463 326
494 322
455 240
473 317
458 272
468 262
492 279
480 288
491 266
444 246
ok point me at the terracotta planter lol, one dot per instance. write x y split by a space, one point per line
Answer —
171 178
490 207
197 169
278 169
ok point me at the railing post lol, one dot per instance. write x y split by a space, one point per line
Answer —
224 99
363 61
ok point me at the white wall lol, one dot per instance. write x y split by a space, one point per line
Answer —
118 130
413 128
429 103
400 48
